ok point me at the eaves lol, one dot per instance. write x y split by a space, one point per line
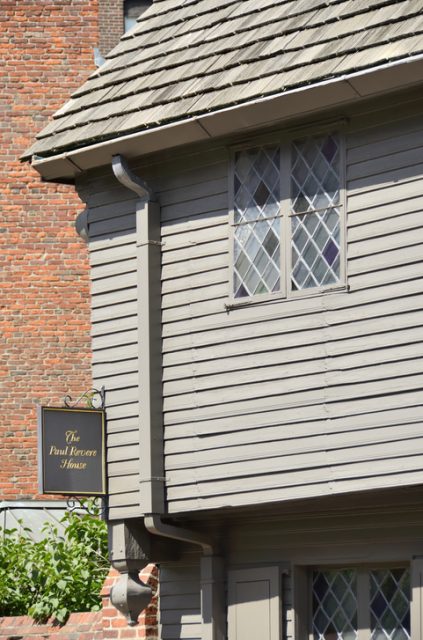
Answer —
262 112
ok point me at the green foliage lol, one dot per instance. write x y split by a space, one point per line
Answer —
60 574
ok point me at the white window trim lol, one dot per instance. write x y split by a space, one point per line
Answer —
284 140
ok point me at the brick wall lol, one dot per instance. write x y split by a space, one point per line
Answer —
111 24
46 49
81 626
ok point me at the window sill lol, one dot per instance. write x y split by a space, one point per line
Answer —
233 303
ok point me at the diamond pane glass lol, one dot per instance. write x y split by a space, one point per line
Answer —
315 244
256 184
390 604
257 258
334 605
315 193
256 214
315 177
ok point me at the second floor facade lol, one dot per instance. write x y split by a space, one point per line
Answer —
290 311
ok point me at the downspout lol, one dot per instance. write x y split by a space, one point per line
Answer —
152 494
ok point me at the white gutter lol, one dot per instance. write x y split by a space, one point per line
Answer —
265 111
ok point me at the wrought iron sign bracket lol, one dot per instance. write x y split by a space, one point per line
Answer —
95 507
94 398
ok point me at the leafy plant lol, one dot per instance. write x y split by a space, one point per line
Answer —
60 574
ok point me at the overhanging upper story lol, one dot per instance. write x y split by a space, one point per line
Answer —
287 317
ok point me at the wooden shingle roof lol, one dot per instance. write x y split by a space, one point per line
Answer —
192 57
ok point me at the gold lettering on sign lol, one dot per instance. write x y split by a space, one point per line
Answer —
72 436
71 451
56 451
69 463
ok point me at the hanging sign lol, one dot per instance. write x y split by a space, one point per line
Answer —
71 451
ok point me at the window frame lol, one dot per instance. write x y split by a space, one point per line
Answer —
303 597
284 140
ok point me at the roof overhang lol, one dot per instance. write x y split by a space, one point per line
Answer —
263 112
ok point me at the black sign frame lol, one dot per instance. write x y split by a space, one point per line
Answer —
72 441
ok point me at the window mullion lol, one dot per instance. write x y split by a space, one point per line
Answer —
285 204
363 604
343 208
231 251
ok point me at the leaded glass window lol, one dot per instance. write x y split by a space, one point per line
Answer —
315 212
390 604
287 233
361 604
335 605
257 222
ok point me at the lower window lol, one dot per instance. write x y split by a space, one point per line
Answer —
357 603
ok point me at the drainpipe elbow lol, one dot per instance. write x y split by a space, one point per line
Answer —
155 525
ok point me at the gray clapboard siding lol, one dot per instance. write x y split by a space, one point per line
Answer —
118 425
340 452
110 225
265 451
323 327
391 124
386 260
396 188
297 400
297 436
180 616
360 349
192 251
266 314
389 163
114 268
258 398
318 377
318 537
116 440
204 235
398 273
122 310
196 280
114 337
102 369
377 228
235 384
239 420
370 246
382 475
367 149
111 325
121 469
208 187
